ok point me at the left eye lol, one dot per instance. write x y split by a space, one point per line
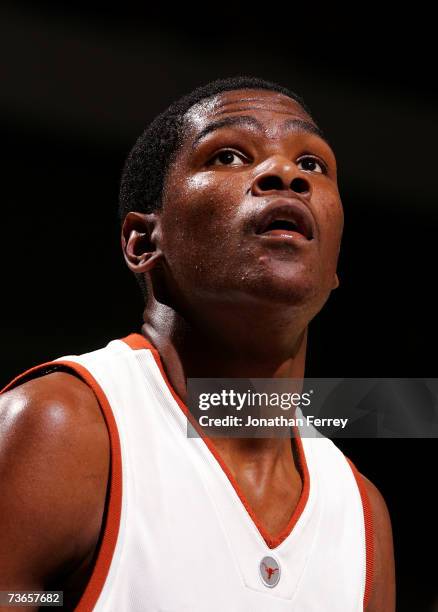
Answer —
225 158
310 164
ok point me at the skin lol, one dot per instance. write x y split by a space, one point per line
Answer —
212 281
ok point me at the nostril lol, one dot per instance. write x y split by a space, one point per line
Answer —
299 185
268 183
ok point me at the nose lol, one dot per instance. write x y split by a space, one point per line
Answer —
282 175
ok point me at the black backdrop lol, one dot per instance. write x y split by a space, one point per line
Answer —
78 86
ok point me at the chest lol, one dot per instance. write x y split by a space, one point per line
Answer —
189 536
271 496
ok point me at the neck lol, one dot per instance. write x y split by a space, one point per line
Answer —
233 343
242 344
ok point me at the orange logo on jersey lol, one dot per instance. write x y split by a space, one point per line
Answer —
269 570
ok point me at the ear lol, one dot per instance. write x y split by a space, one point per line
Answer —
335 281
140 241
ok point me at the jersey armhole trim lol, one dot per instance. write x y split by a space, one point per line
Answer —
369 533
111 521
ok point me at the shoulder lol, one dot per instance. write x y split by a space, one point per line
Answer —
382 597
54 461
54 415
36 398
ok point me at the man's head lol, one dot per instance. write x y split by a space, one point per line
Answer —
236 200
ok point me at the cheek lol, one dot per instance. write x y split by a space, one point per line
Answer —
197 183
331 218
331 221
195 219
202 202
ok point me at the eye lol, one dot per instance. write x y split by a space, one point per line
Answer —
226 157
311 164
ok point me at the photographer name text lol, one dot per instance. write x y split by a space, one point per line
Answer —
278 421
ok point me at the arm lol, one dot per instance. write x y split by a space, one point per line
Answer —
54 461
383 590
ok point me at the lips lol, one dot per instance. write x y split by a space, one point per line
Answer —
285 218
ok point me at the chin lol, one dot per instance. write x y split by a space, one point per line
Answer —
291 292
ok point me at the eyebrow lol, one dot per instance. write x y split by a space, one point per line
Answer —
291 124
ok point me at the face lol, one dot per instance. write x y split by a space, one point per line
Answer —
251 207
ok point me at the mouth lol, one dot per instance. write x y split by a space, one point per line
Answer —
285 219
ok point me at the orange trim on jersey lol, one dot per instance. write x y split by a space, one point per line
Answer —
369 532
112 520
137 341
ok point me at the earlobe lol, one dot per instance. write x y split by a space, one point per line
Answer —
140 241
336 281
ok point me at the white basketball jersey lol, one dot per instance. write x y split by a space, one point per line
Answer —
179 535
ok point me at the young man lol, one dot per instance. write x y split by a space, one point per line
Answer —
232 222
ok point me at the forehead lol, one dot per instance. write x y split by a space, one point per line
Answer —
270 108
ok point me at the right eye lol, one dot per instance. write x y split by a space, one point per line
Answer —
225 158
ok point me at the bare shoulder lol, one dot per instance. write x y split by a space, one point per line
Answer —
383 590
54 461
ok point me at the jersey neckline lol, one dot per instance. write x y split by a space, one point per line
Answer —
137 342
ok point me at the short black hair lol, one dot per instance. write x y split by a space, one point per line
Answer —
147 164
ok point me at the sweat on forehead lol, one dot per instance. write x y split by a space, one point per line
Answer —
237 101
239 107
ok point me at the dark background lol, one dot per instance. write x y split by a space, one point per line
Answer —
79 84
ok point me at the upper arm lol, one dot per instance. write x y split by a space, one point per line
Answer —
382 597
54 461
